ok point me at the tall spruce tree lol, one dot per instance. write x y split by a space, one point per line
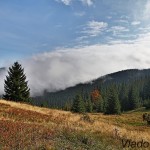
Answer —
100 105
112 104
16 86
134 98
89 106
146 90
123 97
78 104
147 105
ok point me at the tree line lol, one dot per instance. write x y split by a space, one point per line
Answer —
114 99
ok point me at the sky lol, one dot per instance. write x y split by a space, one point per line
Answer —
64 42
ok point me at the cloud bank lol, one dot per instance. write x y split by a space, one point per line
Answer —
67 67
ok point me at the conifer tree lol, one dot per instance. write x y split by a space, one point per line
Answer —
89 106
147 105
146 91
100 105
16 86
112 105
67 106
78 104
105 97
123 97
134 98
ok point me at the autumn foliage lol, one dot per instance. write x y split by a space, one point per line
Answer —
95 95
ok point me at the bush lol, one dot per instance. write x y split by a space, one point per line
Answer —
86 118
146 103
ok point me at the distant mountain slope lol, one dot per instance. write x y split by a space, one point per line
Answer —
3 69
59 98
2 76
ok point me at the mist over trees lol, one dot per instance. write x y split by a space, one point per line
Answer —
112 94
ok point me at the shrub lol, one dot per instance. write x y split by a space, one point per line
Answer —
86 118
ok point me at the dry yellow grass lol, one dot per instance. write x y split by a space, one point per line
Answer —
129 126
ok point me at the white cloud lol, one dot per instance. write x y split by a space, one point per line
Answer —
109 17
134 23
84 2
145 29
87 2
125 17
94 28
122 21
80 14
66 2
142 10
117 30
146 14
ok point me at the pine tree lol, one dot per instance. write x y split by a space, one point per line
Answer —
89 106
112 105
16 86
78 104
123 97
105 97
147 105
146 91
67 106
100 105
134 98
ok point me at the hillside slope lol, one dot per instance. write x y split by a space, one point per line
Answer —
23 126
59 98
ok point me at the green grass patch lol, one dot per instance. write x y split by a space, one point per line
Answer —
81 140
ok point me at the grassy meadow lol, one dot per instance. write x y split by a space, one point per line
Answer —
27 127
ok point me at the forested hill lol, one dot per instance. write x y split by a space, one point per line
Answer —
136 77
126 75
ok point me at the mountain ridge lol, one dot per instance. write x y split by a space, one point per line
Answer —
61 97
